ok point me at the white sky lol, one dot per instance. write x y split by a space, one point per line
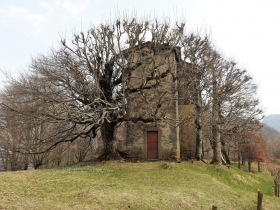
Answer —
247 30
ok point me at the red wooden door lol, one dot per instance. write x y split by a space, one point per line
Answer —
152 144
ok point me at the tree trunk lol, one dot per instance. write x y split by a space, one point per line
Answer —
249 166
217 149
199 143
224 152
108 137
217 155
239 159
198 124
25 163
14 162
216 108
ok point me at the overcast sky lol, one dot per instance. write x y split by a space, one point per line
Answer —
248 31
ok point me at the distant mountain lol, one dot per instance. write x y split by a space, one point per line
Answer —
270 133
273 121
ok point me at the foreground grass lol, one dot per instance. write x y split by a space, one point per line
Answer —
148 185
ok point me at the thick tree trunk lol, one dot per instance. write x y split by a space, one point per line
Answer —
14 162
108 136
217 155
217 149
108 129
216 108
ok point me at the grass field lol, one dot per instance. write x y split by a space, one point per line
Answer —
145 185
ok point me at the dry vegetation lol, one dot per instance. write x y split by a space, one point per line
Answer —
148 185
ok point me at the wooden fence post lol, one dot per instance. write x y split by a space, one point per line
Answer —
214 207
260 197
278 190
275 187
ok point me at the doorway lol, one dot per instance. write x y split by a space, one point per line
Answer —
152 144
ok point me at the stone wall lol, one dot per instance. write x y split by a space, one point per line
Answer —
158 99
187 132
145 104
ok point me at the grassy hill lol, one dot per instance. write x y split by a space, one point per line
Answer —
148 185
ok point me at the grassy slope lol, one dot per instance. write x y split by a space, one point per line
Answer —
149 185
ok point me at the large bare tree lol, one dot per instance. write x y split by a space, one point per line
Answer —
217 86
83 86
234 104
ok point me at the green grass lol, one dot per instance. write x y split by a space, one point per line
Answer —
147 185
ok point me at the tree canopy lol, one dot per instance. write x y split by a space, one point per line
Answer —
81 88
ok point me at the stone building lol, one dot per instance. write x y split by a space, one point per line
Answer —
163 97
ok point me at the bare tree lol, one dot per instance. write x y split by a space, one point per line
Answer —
84 84
22 132
218 87
234 103
197 51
